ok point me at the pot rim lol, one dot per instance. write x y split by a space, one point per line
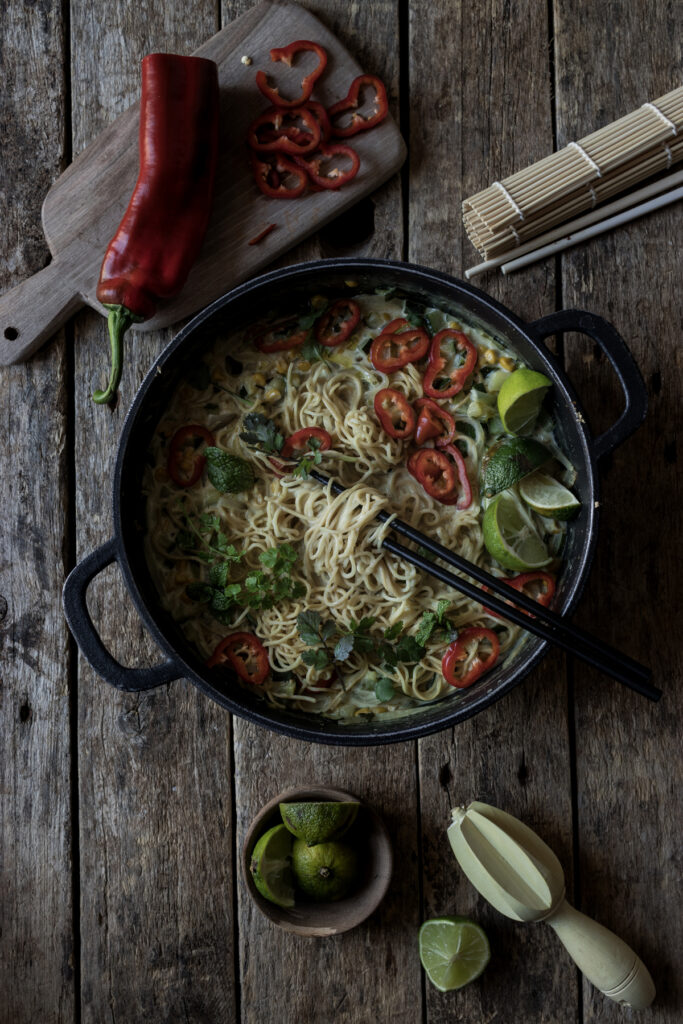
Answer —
328 731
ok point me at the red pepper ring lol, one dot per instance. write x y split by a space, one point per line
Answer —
433 423
335 177
393 349
463 499
459 652
281 137
271 171
320 113
358 123
437 363
245 653
299 441
436 473
286 55
337 323
524 580
178 451
394 413
279 336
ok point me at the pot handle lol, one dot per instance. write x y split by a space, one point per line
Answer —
87 637
623 363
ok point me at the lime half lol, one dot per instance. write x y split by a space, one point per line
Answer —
453 951
318 822
326 871
510 461
510 537
520 398
548 496
271 866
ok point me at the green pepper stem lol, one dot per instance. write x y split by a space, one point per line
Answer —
119 320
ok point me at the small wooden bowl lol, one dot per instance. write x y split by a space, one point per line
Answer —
326 918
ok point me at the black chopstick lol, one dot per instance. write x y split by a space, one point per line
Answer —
546 624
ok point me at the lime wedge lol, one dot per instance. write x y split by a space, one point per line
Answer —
453 951
271 866
510 461
510 537
519 399
318 822
326 871
548 496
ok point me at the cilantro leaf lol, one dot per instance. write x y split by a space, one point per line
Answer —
319 658
393 631
308 624
260 432
344 647
426 627
408 649
384 689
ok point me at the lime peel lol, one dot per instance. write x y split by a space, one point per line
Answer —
270 866
520 398
548 497
510 538
319 822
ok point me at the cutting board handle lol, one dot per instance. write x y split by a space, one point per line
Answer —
34 310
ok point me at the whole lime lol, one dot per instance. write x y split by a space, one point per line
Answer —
326 871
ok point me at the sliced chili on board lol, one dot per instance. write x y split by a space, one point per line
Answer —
185 460
335 176
433 423
459 653
337 323
163 228
540 586
320 112
397 345
286 54
295 131
352 101
271 173
394 413
245 653
299 441
463 358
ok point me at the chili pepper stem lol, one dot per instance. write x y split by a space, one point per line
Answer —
119 320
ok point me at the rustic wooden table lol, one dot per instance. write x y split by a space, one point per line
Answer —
122 815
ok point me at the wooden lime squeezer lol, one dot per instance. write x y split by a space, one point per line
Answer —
522 878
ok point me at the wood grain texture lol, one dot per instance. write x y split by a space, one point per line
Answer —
36 933
156 838
372 972
84 207
483 111
628 751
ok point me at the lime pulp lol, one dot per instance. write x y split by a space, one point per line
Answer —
548 497
510 536
520 398
453 951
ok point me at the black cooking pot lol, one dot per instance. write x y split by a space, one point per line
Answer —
284 291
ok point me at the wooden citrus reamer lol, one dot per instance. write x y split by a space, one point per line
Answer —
522 878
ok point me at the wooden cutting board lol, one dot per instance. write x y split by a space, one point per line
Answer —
84 206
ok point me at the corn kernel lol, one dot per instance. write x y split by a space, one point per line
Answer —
303 365
272 395
351 284
281 366
506 363
489 356
259 380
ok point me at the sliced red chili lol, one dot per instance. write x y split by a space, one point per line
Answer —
245 653
299 441
319 112
462 499
411 464
464 356
262 234
280 336
337 323
394 413
185 460
538 585
358 123
286 54
398 345
458 654
294 131
335 176
272 171
436 473
433 422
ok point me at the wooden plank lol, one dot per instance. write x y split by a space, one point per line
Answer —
628 751
372 972
85 206
154 770
37 954
481 112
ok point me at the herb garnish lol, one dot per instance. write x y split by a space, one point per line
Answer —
228 473
306 464
260 432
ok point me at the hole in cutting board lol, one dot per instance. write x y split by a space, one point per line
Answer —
11 333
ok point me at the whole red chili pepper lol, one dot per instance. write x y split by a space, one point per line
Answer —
163 228
358 123
286 55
